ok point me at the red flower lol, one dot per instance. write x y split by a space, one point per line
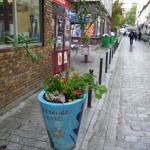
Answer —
77 92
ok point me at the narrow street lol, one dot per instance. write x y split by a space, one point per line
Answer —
124 121
133 130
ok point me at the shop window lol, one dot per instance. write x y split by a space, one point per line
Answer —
59 32
20 16
28 19
6 20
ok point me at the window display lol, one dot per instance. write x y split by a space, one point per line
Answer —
25 18
30 25
6 20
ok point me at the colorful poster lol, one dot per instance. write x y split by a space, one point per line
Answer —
90 30
76 30
59 59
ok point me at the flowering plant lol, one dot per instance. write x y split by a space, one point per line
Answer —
70 86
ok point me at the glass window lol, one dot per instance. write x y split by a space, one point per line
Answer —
59 32
6 20
23 17
28 18
67 33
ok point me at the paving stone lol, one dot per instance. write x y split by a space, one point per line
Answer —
3 142
109 148
131 138
124 145
3 135
14 131
145 140
140 147
13 138
120 138
143 116
29 148
42 145
27 142
14 146
136 128
112 126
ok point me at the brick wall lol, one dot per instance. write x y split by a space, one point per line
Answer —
20 77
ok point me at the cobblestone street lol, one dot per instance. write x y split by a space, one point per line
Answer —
124 122
133 130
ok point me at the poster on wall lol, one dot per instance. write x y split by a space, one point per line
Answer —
76 30
90 30
65 58
59 59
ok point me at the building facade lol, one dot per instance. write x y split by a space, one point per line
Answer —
143 19
20 78
35 20
102 26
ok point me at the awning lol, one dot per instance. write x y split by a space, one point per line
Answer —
64 3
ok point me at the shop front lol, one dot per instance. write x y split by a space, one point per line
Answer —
61 36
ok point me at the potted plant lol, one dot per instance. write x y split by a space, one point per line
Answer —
62 99
62 103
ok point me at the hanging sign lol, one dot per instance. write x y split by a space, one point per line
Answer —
64 3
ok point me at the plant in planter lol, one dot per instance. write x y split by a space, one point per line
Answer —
62 104
62 100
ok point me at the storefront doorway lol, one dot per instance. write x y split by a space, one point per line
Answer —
60 37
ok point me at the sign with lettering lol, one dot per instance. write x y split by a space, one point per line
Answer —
64 3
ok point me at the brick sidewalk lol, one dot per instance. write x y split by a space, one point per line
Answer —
22 127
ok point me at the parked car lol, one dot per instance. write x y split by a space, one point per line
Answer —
122 30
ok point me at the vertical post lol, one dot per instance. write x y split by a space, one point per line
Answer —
110 56
90 92
100 70
106 62
86 58
112 51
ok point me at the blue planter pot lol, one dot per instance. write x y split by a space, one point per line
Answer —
62 121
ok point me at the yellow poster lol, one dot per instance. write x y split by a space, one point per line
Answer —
59 59
90 30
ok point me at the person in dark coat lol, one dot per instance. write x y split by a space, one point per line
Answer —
135 36
131 35
140 35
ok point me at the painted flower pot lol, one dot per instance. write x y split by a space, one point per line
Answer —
62 121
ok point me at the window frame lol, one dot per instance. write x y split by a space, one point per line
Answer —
15 20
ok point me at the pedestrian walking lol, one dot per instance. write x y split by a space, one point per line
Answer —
135 35
131 35
140 35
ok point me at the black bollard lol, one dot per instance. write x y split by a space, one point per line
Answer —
90 92
110 56
100 70
112 52
106 62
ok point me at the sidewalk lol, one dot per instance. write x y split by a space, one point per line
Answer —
22 128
